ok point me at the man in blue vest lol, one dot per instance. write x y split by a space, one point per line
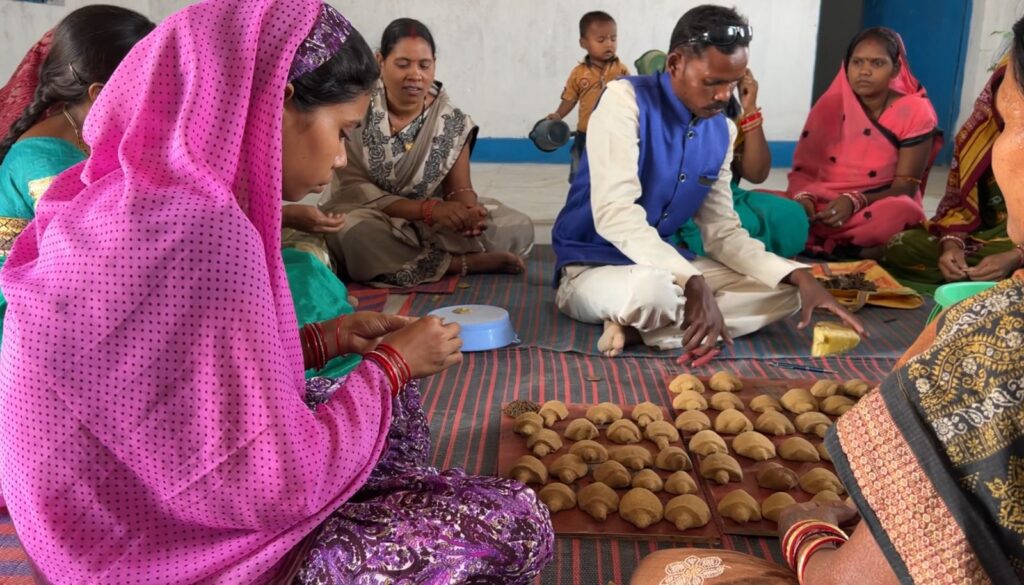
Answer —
658 154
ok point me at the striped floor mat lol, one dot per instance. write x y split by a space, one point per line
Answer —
530 300
13 563
463 405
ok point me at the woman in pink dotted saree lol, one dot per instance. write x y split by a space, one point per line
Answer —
860 167
157 426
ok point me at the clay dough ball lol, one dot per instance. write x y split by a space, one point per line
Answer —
543 442
836 405
725 382
724 400
754 445
604 413
528 423
799 400
855 388
528 469
646 413
813 422
823 452
632 456
798 449
824 388
693 421
553 411
649 480
721 469
773 422
820 479
590 451
680 483
687 511
773 476
568 468
739 506
641 508
773 505
684 382
732 422
673 459
557 497
826 497
705 443
689 400
581 429
613 474
623 432
598 500
765 402
661 433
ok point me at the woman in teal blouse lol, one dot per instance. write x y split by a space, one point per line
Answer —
46 138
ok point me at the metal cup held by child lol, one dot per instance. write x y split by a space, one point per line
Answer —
550 135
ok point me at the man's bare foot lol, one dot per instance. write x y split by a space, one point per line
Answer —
615 338
488 262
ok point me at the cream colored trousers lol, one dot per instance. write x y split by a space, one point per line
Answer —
649 300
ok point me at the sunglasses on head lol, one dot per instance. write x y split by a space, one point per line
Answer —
724 36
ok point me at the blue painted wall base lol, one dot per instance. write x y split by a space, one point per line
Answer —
522 150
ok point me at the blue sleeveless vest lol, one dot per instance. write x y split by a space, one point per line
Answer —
680 158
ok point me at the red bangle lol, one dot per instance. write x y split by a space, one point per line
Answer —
794 536
314 341
427 210
799 533
323 344
809 549
752 122
337 334
751 118
304 331
397 359
385 364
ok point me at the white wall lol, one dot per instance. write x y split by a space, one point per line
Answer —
505 61
984 48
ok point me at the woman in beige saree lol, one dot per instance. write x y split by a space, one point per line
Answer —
412 215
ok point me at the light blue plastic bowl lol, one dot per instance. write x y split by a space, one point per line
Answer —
484 327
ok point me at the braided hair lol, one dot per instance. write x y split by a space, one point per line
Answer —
87 47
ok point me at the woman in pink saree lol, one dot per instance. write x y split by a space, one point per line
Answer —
862 160
157 425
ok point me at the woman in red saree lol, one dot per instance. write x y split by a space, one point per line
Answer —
864 154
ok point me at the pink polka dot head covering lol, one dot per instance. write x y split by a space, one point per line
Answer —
151 375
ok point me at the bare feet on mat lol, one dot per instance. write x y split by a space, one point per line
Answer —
489 262
615 338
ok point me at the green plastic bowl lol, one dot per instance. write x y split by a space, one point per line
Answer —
950 294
